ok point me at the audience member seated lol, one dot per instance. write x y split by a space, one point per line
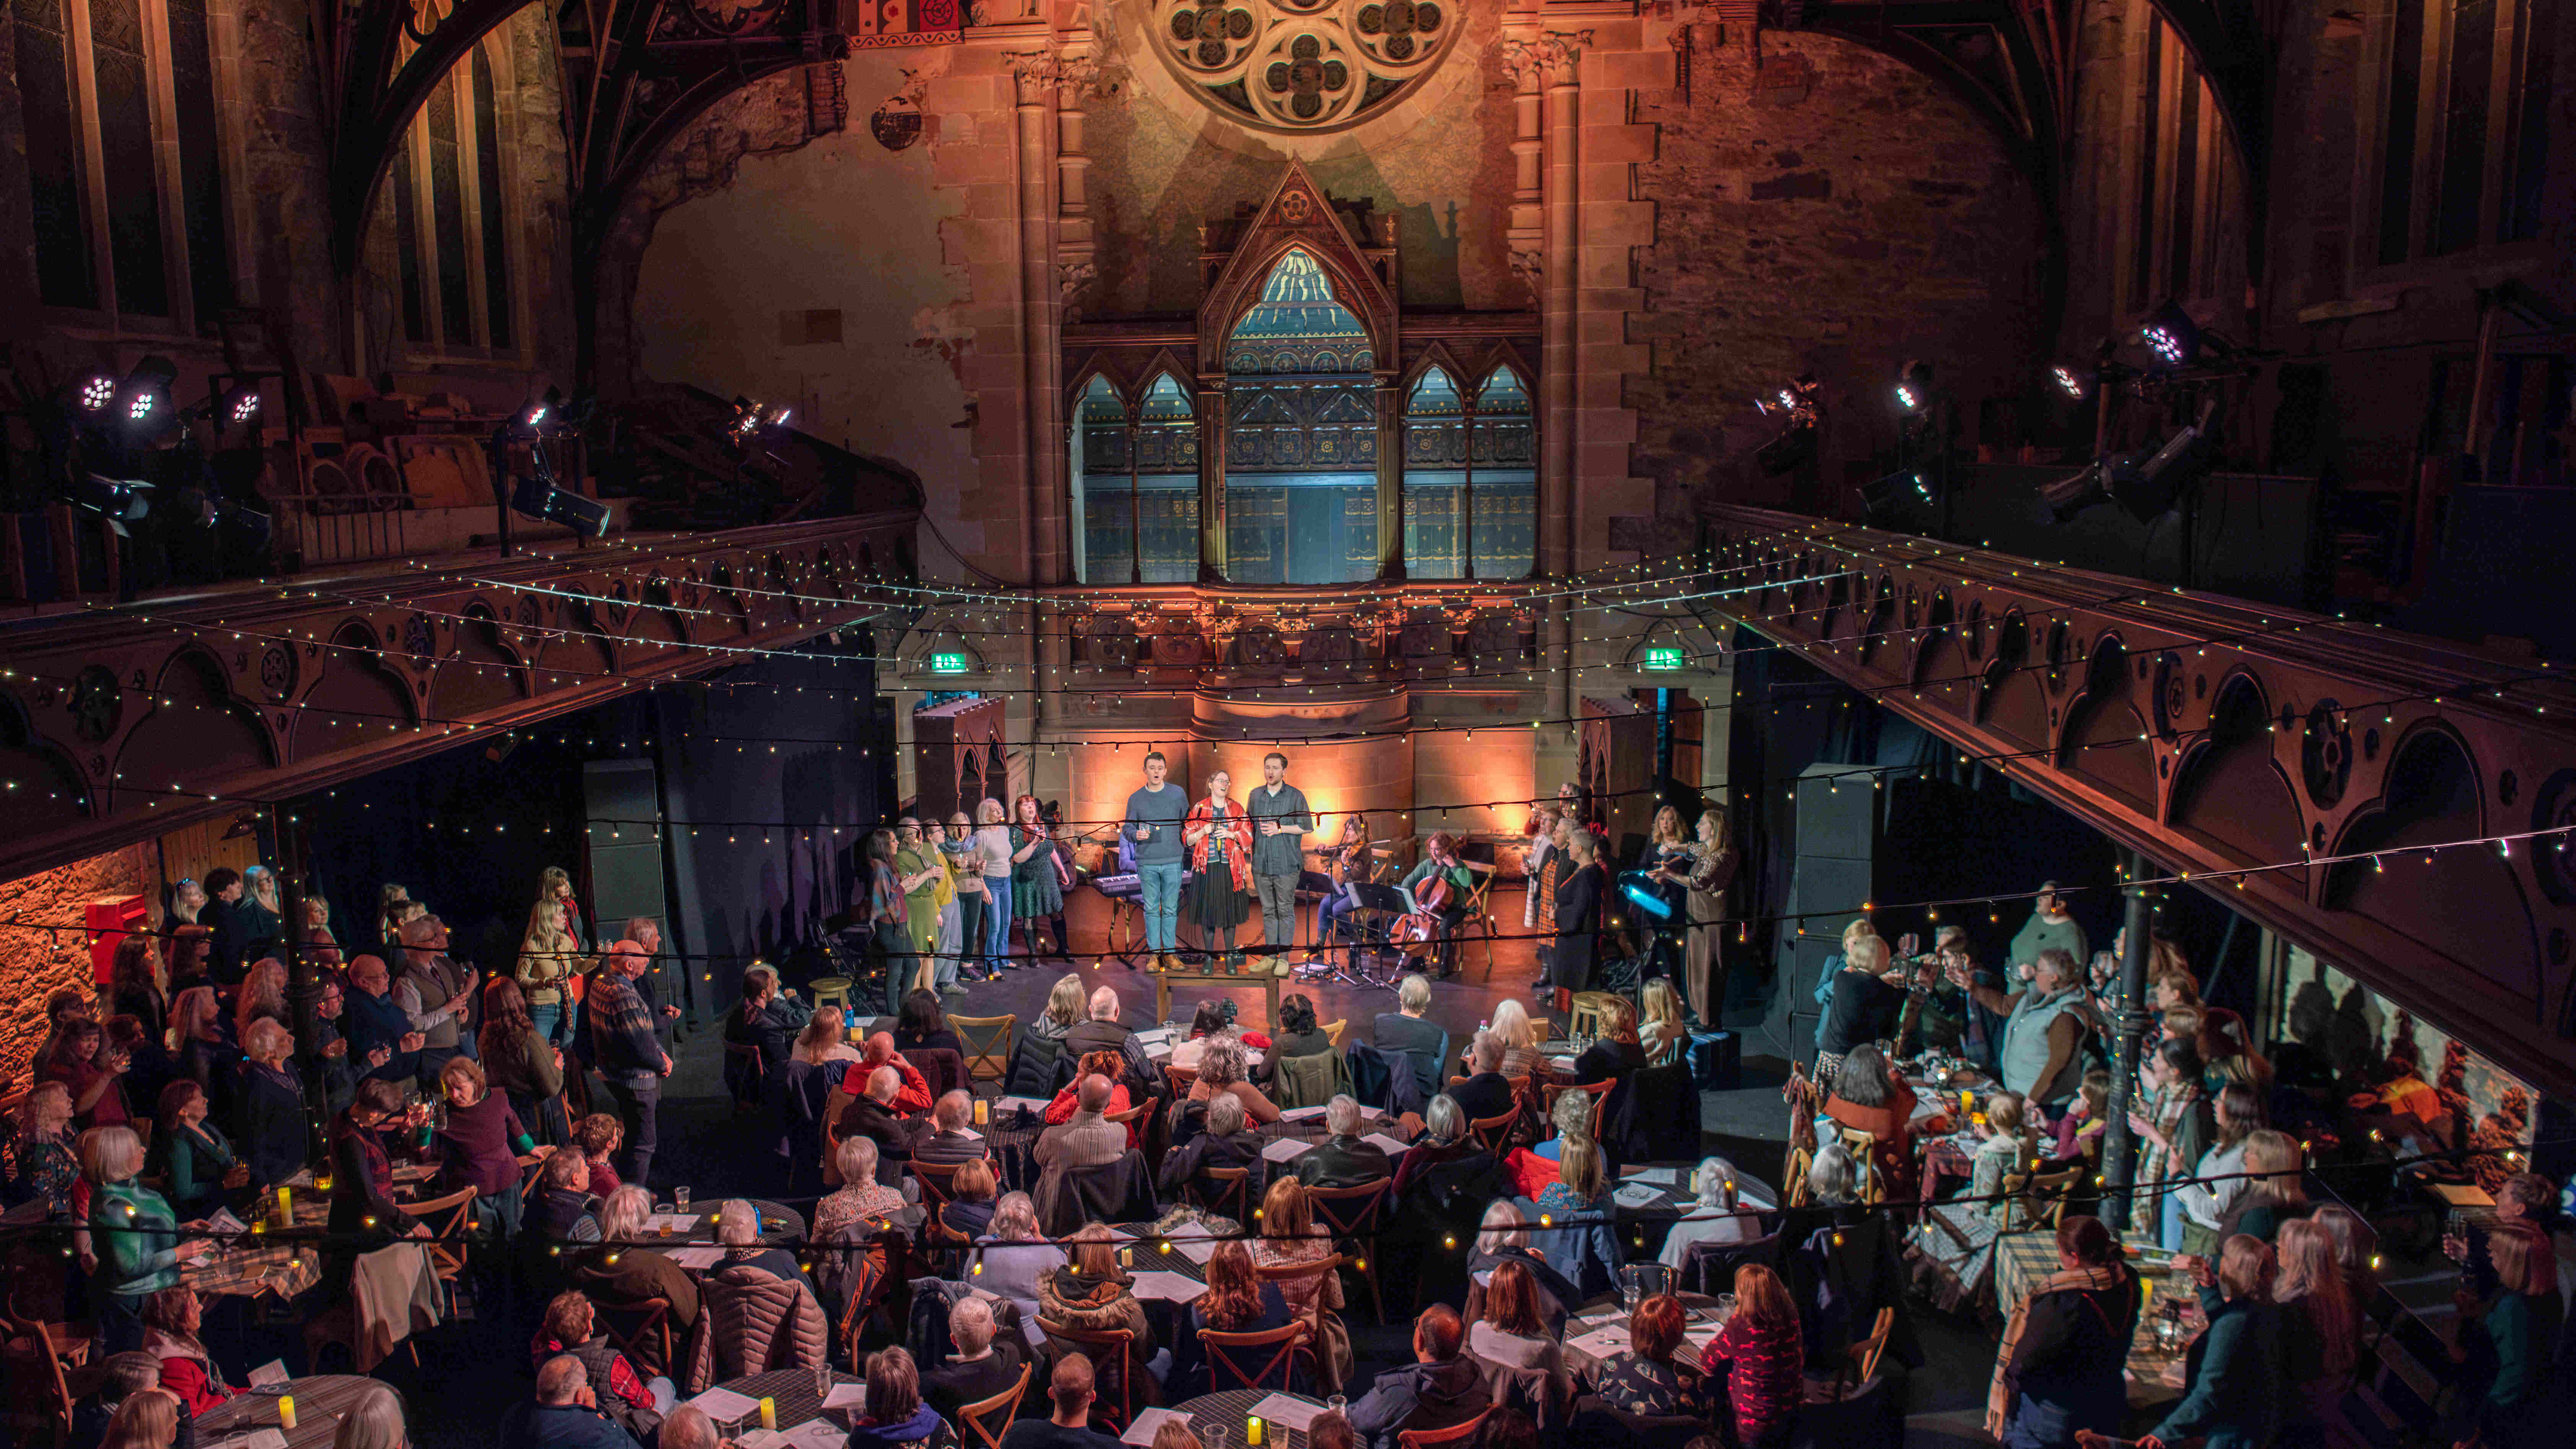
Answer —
44 1154
1486 1092
979 1368
1343 1159
860 1198
571 1329
1533 1168
1615 1055
1224 1142
1223 1072
1092 1293
2066 1351
1441 1389
1103 1032
1207 1023
1330 1430
1288 1238
2235 1390
1108 1066
804 1089
133 1233
1652 1375
1761 1354
1444 1142
121 1377
622 1273
1520 1038
194 1154
1087 1139
481 1143
83 1062
1015 1257
1407 1030
2077 1136
738 1228
1064 1010
874 1116
1716 1216
1869 1096
892 1415
923 1026
912 1089
1067 1425
559 1210
950 1138
599 1135
1514 1330
564 1414
1661 1033
149 1419
1299 1034
1581 1192
969 1209
1237 1300
171 1319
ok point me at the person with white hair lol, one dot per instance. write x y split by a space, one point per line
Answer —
622 1270
1504 1238
738 1228
950 1140
861 1197
1343 1159
1714 1218
687 1427
1015 1255
1104 1032
1227 1141
1486 1093
981 1366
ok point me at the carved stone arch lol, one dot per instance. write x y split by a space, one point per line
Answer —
2430 794
1882 614
779 580
2103 740
1927 628
574 646
1297 217
1502 354
664 597
484 671
2009 697
358 698
2229 790
41 787
192 727
727 597
1439 355
1096 365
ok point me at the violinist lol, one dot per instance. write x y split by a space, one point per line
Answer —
1350 861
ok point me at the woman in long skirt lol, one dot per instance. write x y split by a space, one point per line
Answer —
1219 836
1712 870
1037 897
1578 919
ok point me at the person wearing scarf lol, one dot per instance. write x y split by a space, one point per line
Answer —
1219 837
2059 1371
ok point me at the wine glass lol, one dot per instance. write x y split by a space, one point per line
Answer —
680 1199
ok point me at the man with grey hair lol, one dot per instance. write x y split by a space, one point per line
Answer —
1105 1032
687 1427
436 996
1343 1159
876 1117
949 1141
980 1368
630 1054
1486 1093
1409 1031
564 1414
1090 1139
1227 1142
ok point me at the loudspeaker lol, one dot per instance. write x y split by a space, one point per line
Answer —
622 803
1836 844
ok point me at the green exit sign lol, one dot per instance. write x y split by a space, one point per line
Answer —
1662 658
956 663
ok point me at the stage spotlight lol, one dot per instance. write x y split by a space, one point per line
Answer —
2075 382
535 415
1885 499
147 389
2147 485
2072 494
540 499
2171 335
242 404
96 391
118 500
1914 385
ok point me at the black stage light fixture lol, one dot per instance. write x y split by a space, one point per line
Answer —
2072 379
540 499
144 399
96 391
2171 335
118 500
241 405
1914 385
2146 485
2068 496
1885 499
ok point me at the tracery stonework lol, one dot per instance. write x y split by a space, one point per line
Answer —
1303 65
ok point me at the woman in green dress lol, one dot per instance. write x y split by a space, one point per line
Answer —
1036 895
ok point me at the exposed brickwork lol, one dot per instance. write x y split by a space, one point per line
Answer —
1844 223
34 963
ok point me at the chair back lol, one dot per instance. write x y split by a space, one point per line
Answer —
1600 1097
450 1220
1333 1032
2039 1199
35 1351
1265 1360
1225 1191
1287 1273
942 1070
633 1326
987 1040
1352 1212
1494 1133
938 1184
990 1420
744 1072
1181 1078
1871 1184
835 1103
1105 1347
1133 1115
1434 1438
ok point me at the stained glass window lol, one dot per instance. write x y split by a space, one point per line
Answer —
1437 479
1136 486
1301 435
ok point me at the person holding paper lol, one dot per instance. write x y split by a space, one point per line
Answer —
1237 1300
1343 1159
1441 1389
979 1369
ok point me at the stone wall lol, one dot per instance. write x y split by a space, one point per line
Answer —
36 963
1831 210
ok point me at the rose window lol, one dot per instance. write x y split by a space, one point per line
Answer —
1303 64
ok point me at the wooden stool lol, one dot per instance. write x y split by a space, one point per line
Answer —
1585 1019
830 991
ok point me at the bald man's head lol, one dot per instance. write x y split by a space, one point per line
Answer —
1093 1094
880 1048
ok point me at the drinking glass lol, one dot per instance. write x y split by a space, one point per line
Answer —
1214 1436
822 1384
680 1199
1338 1404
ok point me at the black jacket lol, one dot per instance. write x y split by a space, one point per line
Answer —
952 1386
1486 1094
272 1125
1419 1396
1343 1162
1205 1150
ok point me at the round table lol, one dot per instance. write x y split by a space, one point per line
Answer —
780 1226
1606 1312
791 1392
1232 1407
321 1402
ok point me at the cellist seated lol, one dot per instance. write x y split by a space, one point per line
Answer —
1437 889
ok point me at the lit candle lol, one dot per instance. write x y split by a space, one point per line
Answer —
1126 1257
1252 1431
285 1208
983 1111
769 1415
322 1184
286 1411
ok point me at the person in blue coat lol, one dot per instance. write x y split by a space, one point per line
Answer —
563 1415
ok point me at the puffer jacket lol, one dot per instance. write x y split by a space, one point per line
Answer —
1073 1299
754 1321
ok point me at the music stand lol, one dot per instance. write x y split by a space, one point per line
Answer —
1372 907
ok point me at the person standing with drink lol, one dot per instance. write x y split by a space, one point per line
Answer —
1154 817
1280 820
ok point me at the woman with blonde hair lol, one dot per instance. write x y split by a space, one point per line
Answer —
375 1421
261 994
2233 1399
2275 1187
2507 1337
315 937
44 1157
961 931
1037 896
1662 1034
146 1420
133 1232
1519 1035
1066 1006
1289 1238
1853 934
549 957
1091 1292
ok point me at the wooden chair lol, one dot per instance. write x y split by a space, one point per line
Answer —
1333 1031
37 1354
988 1041
2039 1198
1181 1078
835 1102
1278 1371
747 1053
652 1321
972 1417
1459 1434
1133 1115
1493 1133
1870 1184
873 1280
451 1240
1865 1354
1231 1198
1320 1269
1101 1346
1600 1098
1585 1019
1479 910
938 1184
1352 1213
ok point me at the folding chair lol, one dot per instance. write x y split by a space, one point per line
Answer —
1103 1346
873 1279
40 1351
1479 911
1352 1213
972 1417
2039 1198
1181 1078
988 1041
1437 1438
1278 1371
1286 1273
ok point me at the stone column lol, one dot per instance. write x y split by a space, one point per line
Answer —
1544 67
1390 476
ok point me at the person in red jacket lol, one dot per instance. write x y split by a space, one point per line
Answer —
170 1321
